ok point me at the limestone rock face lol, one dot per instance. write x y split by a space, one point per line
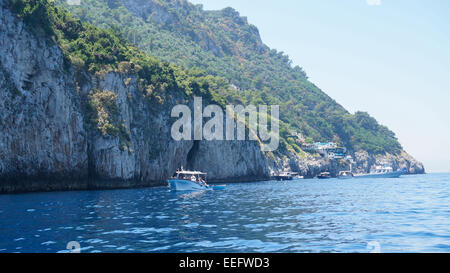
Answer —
150 10
218 158
364 162
152 154
41 127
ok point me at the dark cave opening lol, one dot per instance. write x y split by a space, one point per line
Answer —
191 155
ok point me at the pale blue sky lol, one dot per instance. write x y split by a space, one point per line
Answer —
390 58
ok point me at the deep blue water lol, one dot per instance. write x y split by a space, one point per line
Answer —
410 214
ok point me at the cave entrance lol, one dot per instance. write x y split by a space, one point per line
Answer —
192 154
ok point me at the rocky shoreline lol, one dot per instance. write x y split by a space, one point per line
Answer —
310 166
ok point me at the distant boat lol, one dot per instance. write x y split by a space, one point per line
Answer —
296 176
345 175
191 181
324 175
284 176
382 172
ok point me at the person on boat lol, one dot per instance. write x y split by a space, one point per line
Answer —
202 182
193 179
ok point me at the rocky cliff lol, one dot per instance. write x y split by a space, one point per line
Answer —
42 137
45 143
151 155
47 140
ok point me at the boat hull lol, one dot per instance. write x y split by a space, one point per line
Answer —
185 185
298 178
345 177
283 178
381 175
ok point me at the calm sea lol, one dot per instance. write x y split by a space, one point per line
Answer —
409 214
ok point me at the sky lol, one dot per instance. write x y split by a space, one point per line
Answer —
390 58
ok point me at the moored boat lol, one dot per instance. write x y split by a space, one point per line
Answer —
382 172
345 175
191 181
324 175
283 176
296 176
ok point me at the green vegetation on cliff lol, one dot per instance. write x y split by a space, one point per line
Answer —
96 50
224 44
213 54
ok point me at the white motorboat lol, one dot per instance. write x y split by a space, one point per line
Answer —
382 172
345 175
191 181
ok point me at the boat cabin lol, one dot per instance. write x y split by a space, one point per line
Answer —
324 175
283 176
191 176
345 173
